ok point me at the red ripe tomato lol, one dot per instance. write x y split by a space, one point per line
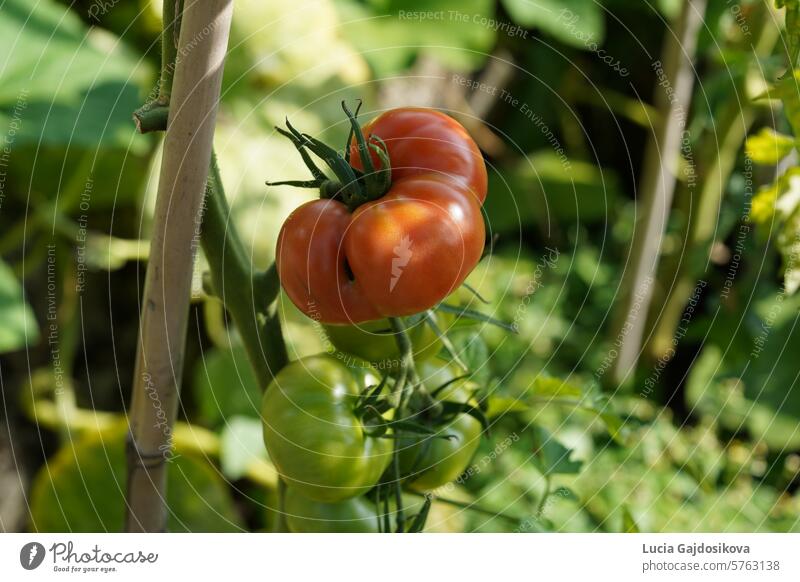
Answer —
423 141
399 254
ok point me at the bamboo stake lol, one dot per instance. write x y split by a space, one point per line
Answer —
717 154
657 187
201 51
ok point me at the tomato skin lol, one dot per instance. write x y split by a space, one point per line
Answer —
423 141
407 251
433 462
354 515
374 341
311 264
399 254
416 245
315 440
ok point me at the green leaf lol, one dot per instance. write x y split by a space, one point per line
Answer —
65 83
391 33
771 380
628 523
303 30
550 456
792 27
565 493
777 206
763 208
787 90
670 8
553 388
450 409
17 323
498 405
578 23
614 426
549 387
82 489
111 253
788 242
767 147
474 315
549 186
224 386
758 389
241 443
447 344
473 351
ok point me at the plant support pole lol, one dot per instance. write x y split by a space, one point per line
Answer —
205 27
673 98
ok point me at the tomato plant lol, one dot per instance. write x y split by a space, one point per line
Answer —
394 234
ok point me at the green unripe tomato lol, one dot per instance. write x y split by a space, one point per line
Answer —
314 438
375 342
354 515
431 462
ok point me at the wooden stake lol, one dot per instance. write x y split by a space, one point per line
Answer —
201 52
673 98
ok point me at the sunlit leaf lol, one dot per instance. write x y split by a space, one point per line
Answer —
64 82
82 489
390 33
225 386
549 387
498 405
550 456
768 147
574 22
241 443
628 523
17 323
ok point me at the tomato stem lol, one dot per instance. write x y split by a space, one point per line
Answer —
352 186
375 180
471 507
352 131
247 295
548 484
404 371
152 116
318 174
363 150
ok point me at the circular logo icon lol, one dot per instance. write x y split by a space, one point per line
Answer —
31 555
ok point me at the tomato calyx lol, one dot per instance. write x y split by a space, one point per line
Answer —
381 418
352 186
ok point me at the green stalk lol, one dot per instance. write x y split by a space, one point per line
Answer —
169 47
657 186
406 369
152 116
717 156
472 507
247 295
